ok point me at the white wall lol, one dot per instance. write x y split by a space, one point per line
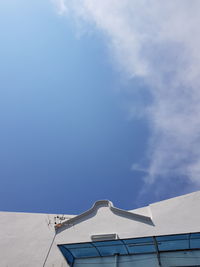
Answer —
25 238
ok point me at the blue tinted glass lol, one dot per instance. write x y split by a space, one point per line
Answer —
194 243
130 246
138 240
195 236
66 254
195 240
107 243
108 248
173 242
79 245
140 245
172 237
112 250
139 248
84 252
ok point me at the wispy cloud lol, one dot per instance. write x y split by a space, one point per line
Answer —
61 6
159 42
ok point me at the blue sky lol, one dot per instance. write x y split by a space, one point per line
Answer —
79 119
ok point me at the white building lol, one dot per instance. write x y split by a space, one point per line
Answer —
165 234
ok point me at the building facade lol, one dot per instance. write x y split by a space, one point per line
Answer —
165 233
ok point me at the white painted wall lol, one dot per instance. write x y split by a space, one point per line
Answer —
25 238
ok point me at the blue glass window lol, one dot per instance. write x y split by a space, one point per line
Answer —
173 242
195 240
109 248
84 250
140 245
131 246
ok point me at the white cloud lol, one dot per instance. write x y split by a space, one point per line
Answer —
61 6
158 41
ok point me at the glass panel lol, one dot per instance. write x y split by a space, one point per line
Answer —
195 241
138 240
134 247
112 250
78 245
172 237
120 261
67 254
139 260
109 248
84 252
180 258
95 262
107 243
195 235
173 242
140 245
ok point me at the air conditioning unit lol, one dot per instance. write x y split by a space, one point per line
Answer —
102 237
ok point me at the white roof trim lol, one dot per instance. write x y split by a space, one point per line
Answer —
109 204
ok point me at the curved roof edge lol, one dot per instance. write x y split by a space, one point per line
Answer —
108 204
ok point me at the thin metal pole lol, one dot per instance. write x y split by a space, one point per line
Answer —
157 251
116 260
49 250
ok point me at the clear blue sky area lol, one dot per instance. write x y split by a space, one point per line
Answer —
65 136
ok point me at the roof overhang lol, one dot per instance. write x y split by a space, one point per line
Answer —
131 246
